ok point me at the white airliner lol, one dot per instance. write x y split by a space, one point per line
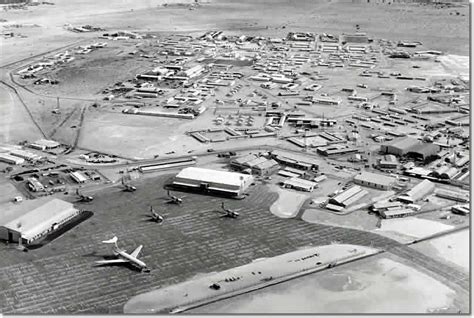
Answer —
124 257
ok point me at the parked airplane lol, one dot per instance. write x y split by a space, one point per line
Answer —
228 212
155 216
128 187
84 198
174 199
124 257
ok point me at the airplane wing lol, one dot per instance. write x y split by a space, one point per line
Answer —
136 251
111 261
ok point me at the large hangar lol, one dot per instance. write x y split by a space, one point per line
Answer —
209 180
38 222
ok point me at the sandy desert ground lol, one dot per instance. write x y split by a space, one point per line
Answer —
438 29
376 285
379 285
451 248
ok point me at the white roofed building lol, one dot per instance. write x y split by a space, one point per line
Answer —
38 222
418 192
13 160
78 177
300 184
348 196
209 180
43 144
374 180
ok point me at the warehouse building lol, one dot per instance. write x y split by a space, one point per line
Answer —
418 192
336 150
411 147
396 213
374 180
78 177
25 155
424 151
355 38
217 181
400 147
460 196
166 164
253 164
39 222
388 162
300 184
349 196
295 160
385 205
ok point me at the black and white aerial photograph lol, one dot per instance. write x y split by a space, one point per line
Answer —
214 157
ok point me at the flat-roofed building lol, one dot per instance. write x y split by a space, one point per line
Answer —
461 209
300 173
336 150
396 213
355 38
333 207
460 196
300 184
418 192
37 223
384 205
27 155
288 174
295 160
11 159
45 144
209 180
374 180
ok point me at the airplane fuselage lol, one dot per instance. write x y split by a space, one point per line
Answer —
133 260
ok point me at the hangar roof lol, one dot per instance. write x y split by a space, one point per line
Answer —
40 219
405 144
215 176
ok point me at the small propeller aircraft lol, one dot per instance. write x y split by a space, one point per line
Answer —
84 198
228 212
174 199
128 187
123 257
155 216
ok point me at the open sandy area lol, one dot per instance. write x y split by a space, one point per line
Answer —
436 28
288 203
375 285
359 219
15 123
257 273
450 248
411 227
